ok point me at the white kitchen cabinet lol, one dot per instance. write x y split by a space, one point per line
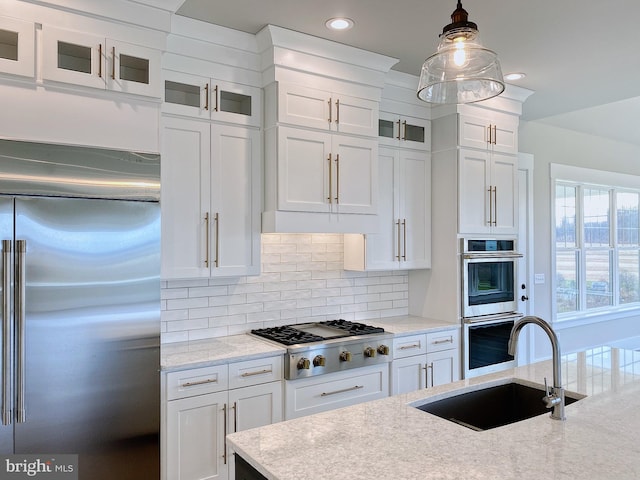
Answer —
94 61
488 193
492 130
404 213
210 98
324 110
17 47
306 396
396 130
197 423
324 172
425 360
210 199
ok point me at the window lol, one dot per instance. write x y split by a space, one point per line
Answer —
597 246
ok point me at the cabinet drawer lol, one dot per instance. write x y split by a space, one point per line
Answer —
198 381
335 390
254 372
445 340
408 346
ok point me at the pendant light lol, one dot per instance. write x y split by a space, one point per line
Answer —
462 70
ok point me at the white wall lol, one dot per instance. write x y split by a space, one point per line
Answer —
549 145
302 280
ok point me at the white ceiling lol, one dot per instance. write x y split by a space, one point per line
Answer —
582 58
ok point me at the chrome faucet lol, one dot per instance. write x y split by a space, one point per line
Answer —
554 396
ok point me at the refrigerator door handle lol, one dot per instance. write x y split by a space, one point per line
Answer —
6 332
21 250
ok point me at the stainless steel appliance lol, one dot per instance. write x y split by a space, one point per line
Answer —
80 280
489 276
330 346
486 344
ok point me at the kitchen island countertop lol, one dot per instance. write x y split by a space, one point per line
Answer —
389 438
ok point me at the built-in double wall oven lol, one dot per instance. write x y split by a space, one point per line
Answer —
489 303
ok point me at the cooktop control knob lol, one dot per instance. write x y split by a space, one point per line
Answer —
345 356
319 361
383 350
304 364
370 352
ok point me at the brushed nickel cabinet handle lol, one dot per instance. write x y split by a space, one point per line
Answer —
6 332
215 92
206 241
495 134
404 132
337 198
404 239
337 111
495 206
490 222
258 372
409 347
330 177
224 447
398 230
216 218
199 382
489 134
235 416
439 342
330 111
206 96
356 387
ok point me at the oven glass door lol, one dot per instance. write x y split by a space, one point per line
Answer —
487 347
489 286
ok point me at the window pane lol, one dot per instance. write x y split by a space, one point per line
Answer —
566 281
598 278
627 216
629 276
565 216
596 217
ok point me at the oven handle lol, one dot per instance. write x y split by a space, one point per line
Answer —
492 318
471 256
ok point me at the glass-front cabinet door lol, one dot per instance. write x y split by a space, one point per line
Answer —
204 97
17 47
401 131
98 62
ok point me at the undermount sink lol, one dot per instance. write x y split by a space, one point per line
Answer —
493 406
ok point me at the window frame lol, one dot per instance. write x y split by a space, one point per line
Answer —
581 179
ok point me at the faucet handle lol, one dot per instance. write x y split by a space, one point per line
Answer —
546 388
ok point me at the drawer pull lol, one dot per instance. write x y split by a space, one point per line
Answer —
409 347
200 382
438 342
326 394
259 372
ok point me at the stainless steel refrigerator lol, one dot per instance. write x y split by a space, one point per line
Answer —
80 282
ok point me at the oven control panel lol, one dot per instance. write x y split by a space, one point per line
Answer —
328 358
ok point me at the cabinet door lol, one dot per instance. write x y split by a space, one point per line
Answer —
236 103
402 131
303 170
473 131
408 374
73 57
504 171
185 198
195 437
186 94
443 367
474 179
133 69
255 406
17 47
236 200
505 135
415 209
354 115
354 186
304 106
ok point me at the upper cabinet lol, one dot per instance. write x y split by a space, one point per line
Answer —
403 131
497 132
17 47
209 98
324 110
94 61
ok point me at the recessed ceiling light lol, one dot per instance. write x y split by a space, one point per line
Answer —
515 76
339 23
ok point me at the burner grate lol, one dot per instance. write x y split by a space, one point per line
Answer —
287 335
353 328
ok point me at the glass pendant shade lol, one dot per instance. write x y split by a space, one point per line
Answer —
461 70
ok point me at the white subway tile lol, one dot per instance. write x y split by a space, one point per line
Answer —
200 282
171 315
379 305
210 291
263 297
171 293
203 333
180 325
279 305
181 303
207 312
174 337
245 308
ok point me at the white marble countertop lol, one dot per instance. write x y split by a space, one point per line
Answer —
388 438
214 351
236 348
